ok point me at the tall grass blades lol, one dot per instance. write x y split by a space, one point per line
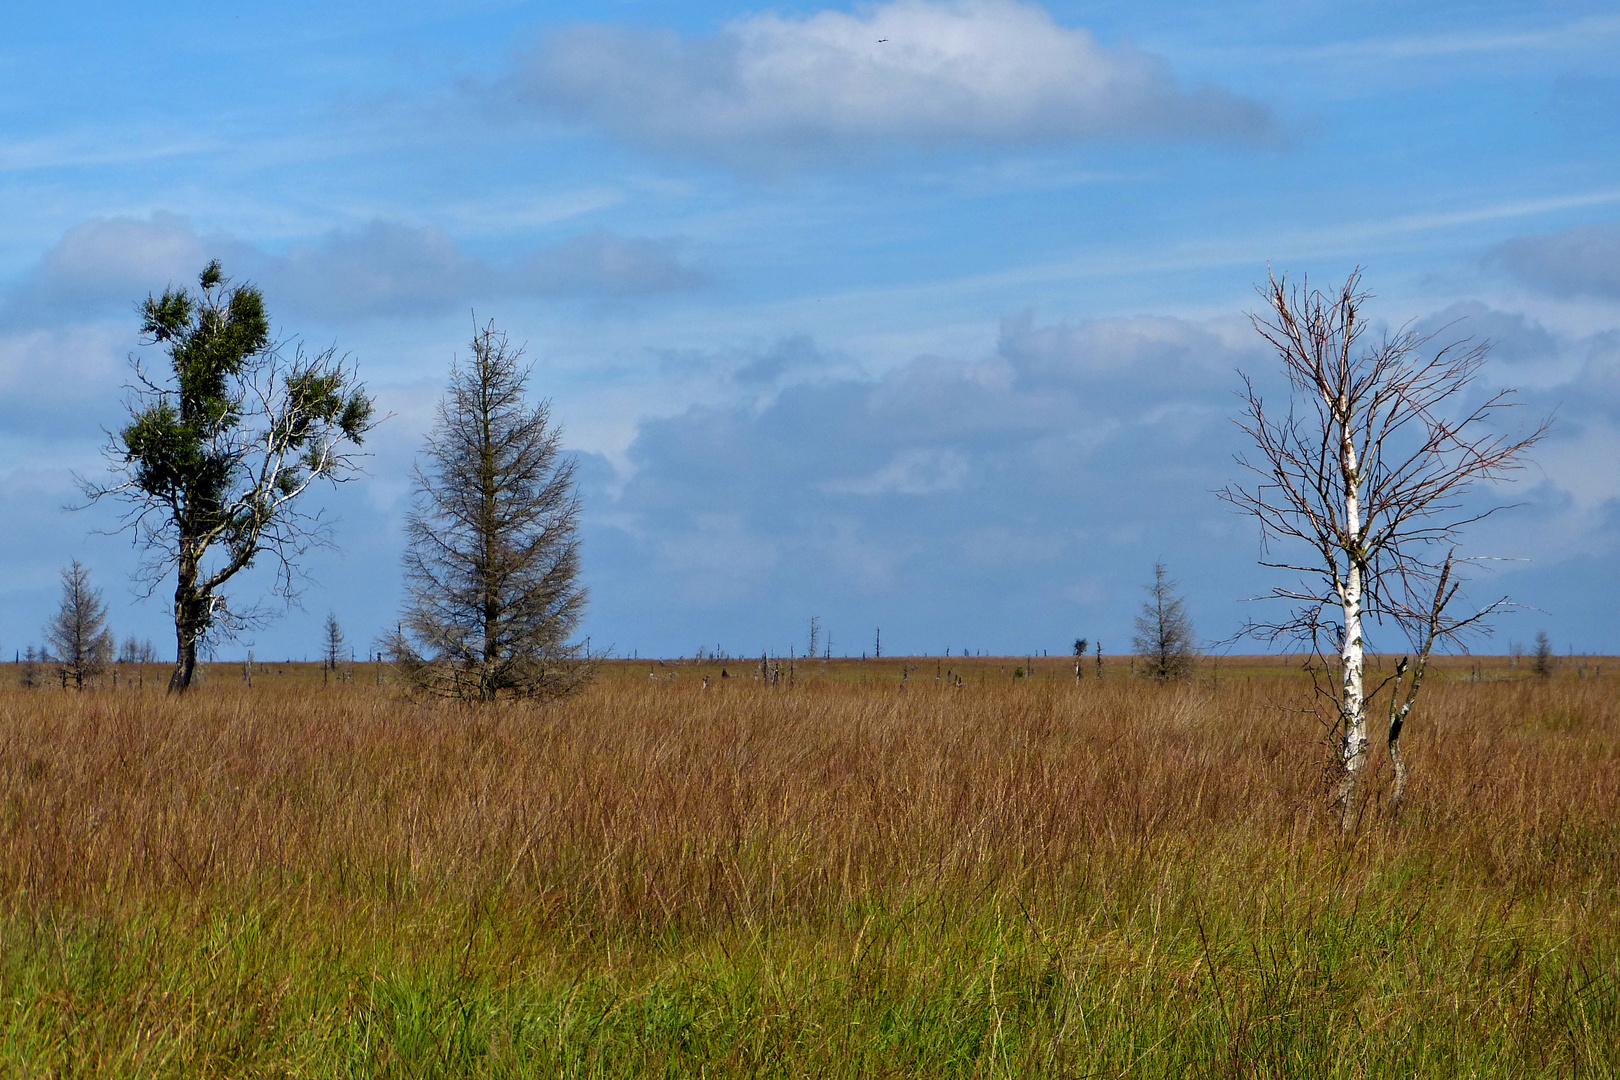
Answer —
851 876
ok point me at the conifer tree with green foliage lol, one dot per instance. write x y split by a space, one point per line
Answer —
218 452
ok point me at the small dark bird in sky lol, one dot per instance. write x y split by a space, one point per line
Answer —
881 40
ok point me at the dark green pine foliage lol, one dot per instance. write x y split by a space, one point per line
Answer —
214 458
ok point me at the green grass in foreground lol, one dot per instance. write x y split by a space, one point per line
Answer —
1330 963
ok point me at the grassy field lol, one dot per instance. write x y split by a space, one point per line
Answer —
852 874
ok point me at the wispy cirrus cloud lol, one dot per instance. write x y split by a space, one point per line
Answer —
1593 32
776 91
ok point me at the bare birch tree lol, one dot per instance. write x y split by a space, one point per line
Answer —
492 566
1164 634
78 635
1364 480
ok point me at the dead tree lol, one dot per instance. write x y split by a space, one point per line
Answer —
492 564
1164 633
78 635
1363 483
331 646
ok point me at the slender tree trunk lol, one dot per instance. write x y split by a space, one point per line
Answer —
1397 718
1352 701
491 539
185 625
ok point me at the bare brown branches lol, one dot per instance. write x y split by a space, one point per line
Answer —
1368 475
78 635
492 565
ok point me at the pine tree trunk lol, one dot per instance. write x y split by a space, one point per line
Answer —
187 624
185 663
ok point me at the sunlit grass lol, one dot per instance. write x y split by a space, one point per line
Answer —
841 878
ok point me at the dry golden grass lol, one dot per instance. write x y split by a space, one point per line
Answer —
1171 839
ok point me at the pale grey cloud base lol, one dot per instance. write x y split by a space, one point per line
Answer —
1583 260
381 268
1033 486
774 90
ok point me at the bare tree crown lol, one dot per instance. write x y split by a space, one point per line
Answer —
1364 482
492 565
1370 463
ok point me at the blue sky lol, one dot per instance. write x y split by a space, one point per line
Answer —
936 333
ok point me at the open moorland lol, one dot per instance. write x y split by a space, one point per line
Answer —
864 870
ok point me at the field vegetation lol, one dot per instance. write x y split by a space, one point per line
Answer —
852 873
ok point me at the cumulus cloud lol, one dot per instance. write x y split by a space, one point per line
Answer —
1061 463
381 268
111 263
1513 337
1033 486
1580 261
912 471
781 90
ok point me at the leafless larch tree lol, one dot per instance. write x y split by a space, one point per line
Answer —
492 565
332 641
1362 485
78 635
1164 640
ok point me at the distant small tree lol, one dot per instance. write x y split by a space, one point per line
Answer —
130 651
28 677
1164 634
78 634
331 646
492 561
1546 660
1079 658
332 641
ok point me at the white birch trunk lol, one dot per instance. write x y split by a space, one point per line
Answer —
1352 701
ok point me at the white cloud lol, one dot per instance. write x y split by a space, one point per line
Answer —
601 263
779 90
